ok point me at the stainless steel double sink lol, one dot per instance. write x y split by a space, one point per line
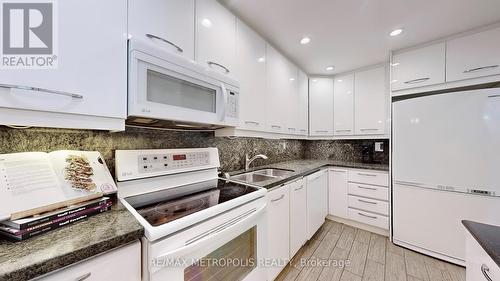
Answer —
261 175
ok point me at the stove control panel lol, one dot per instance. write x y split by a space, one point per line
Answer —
136 164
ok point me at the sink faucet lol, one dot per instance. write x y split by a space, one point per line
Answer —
249 161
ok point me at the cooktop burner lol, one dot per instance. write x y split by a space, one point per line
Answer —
167 205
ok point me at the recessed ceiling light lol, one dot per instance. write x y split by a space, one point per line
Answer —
329 68
396 32
261 59
206 22
292 79
340 80
305 40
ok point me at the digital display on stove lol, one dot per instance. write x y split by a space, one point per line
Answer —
179 157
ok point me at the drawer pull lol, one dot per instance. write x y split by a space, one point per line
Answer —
275 127
321 131
297 189
485 270
29 88
368 188
416 81
368 129
211 63
252 122
291 129
279 198
371 217
368 202
152 36
339 171
342 131
368 175
480 68
83 277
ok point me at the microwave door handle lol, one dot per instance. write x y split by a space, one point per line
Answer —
224 97
213 234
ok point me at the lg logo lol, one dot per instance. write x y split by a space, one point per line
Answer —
28 34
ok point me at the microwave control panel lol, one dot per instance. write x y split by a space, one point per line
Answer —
232 105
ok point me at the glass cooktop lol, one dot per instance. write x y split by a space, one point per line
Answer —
167 205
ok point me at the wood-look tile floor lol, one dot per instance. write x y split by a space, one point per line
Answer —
366 257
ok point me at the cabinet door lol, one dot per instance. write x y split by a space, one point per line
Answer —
168 24
419 67
291 101
303 112
370 101
317 201
251 72
278 215
343 105
215 36
337 192
473 56
277 85
298 216
91 75
321 107
478 263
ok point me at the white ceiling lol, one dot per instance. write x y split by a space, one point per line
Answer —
354 33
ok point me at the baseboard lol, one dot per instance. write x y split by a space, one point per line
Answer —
360 225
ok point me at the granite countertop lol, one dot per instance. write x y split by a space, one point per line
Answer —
31 258
305 167
488 236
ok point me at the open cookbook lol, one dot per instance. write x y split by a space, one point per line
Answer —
36 182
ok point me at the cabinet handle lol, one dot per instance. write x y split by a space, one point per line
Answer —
368 202
211 63
275 127
291 129
279 198
371 217
494 96
416 81
151 36
83 277
485 270
480 68
368 175
303 130
342 131
368 129
321 131
297 189
339 171
252 122
66 94
368 188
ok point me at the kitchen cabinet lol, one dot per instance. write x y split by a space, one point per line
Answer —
321 107
473 56
478 263
317 201
343 105
418 67
169 24
298 216
215 36
277 70
291 101
370 101
251 71
90 80
278 225
121 264
337 192
303 112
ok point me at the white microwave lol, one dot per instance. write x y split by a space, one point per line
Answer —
167 90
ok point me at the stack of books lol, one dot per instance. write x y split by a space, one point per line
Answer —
25 228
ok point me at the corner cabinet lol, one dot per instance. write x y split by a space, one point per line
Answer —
343 105
317 201
321 107
298 216
337 192
215 36
88 88
303 123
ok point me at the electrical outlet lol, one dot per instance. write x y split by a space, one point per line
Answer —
283 145
379 146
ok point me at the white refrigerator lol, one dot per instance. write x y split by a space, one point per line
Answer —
446 168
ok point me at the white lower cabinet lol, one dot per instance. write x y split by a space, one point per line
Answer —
317 201
337 192
298 216
480 266
278 225
122 264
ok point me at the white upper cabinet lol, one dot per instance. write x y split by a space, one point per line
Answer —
419 67
303 112
473 56
250 69
370 101
91 74
215 36
321 107
277 70
291 101
343 105
169 24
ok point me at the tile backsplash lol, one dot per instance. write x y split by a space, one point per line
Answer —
232 150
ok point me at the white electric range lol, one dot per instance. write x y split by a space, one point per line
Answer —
196 226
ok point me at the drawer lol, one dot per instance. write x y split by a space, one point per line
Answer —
371 191
370 205
369 218
369 177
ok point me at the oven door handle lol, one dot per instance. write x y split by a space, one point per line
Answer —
213 234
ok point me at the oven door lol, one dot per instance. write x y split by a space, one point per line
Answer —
174 90
227 247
